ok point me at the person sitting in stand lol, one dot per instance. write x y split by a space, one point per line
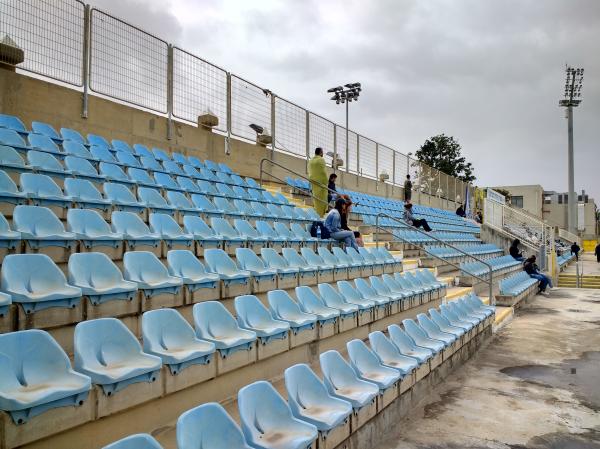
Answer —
479 217
531 268
514 250
333 223
331 186
410 219
345 214
461 211
575 250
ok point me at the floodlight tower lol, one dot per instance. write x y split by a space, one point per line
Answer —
341 95
572 99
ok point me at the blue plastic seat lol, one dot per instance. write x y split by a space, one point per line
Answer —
102 154
228 232
267 420
249 261
253 315
315 260
134 230
185 265
12 122
43 190
85 195
150 163
276 262
113 172
127 159
367 366
370 258
342 382
195 162
219 262
138 441
203 234
335 300
180 159
225 190
141 150
94 139
169 231
122 198
91 229
187 184
72 135
192 172
9 193
240 192
43 143
8 238
11 159
246 231
300 232
215 324
284 308
245 209
172 167
151 276
433 331
260 209
444 324
407 346
208 175
420 337
77 149
41 228
111 355
35 282
140 177
383 289
45 162
224 205
99 278
37 376
160 154
453 319
237 179
352 296
266 230
169 336
82 168
390 355
312 303
121 146
310 401
295 260
11 138
209 425
204 205
252 183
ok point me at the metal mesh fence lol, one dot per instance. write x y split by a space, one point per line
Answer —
50 33
290 127
401 168
198 87
321 135
127 63
250 104
386 162
366 151
351 161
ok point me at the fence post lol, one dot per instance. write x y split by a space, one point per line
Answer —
358 169
273 96
335 153
347 150
228 114
87 18
376 166
307 140
170 92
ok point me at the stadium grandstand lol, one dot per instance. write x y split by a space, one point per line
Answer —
161 286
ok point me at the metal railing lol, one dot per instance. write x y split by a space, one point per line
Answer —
91 50
489 281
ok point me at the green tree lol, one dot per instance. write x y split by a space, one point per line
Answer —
443 153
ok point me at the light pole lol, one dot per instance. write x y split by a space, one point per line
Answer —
572 99
341 95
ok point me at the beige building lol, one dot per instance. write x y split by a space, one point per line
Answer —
529 198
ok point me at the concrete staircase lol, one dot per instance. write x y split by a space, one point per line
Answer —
569 280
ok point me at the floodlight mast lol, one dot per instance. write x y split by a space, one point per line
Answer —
573 85
341 95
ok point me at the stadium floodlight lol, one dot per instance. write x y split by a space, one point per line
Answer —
349 92
572 99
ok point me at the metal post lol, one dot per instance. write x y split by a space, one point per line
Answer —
376 166
572 201
393 171
87 19
335 152
358 169
347 142
273 96
170 92
307 140
228 138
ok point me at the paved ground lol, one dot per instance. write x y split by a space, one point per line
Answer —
587 265
536 385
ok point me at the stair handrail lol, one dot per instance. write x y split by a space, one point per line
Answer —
489 281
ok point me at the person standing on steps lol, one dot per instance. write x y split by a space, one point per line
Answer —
407 189
575 250
317 174
410 219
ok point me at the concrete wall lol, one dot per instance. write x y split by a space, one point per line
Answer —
557 215
34 99
533 196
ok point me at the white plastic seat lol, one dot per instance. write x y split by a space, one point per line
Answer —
250 262
284 308
312 303
367 366
36 375
122 198
407 346
43 190
41 228
138 441
203 234
252 315
267 420
219 262
169 231
420 337
151 276
433 330
333 299
91 229
85 195
389 355
99 278
185 265
169 336
133 229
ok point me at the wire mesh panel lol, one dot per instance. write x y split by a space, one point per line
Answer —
198 87
367 158
127 63
340 143
50 33
401 168
290 127
321 135
250 104
386 162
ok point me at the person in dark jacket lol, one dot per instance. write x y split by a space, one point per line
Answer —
531 268
461 211
331 186
575 250
514 250
345 212
597 252
410 219
407 189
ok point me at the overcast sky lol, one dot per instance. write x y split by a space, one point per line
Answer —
489 73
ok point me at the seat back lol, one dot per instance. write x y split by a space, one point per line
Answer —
37 221
141 150
43 143
87 222
248 260
118 193
113 171
187 184
172 167
142 266
94 270
282 230
121 146
366 290
13 122
400 338
7 185
304 389
140 175
76 149
202 202
28 274
40 185
337 373
273 259
80 166
245 228
309 301
71 134
362 358
82 189
102 154
139 441
311 257
94 139
44 161
213 320
223 204
293 258
150 163
282 305
341 255
11 138
164 224
265 229
327 256
128 223
9 155
349 292
382 346
165 329
251 312
160 154
331 297
184 264
197 226
180 159
222 227
178 200
219 262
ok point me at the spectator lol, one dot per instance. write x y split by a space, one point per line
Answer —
333 223
514 250
317 174
412 221
575 250
533 271
407 189
479 217
461 211
345 214
597 251
331 186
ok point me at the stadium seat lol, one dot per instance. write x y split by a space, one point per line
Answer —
453 319
115 173
261 273
149 164
276 262
252 315
85 195
254 238
326 271
154 201
335 300
444 324
77 149
180 159
231 237
407 346
342 382
165 181
210 425
141 177
46 163
12 122
102 154
187 184
383 290
122 198
99 278
72 135
127 159
353 296
91 229
378 266
169 231
267 420
9 193
11 160
173 168
121 146
219 262
37 376
11 138
138 441
9 239
111 355
42 143
215 324
204 205
367 366
151 276
160 154
40 228
36 283
267 231
433 331
141 150
168 335
389 355
284 308
94 139
420 338
185 265
224 205
203 234
82 168
310 302
134 230
43 191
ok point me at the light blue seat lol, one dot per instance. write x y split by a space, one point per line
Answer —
356 256
11 160
312 303
251 182
219 262
395 288
82 168
41 228
91 229
215 324
5 302
253 315
249 261
203 234
85 195
111 355
383 290
241 193
43 143
367 366
420 337
342 382
231 235
169 336
390 355
209 425
237 179
72 135
11 138
12 122
169 231
383 255
141 177
208 175
444 324
454 320
77 149
315 260
173 168
141 150
180 202
462 312
94 139
267 420
9 193
191 171
45 163
310 401
160 154
43 191
180 159
204 205
330 259
9 239
284 308
37 376
99 278
370 258
36 283
259 208
407 346
150 275
150 163
127 159
224 205
113 172
138 441
102 154
195 162
433 330
245 208
295 260
121 146
187 184
122 198
335 300
256 195
185 265
408 286
134 230
276 262
246 230
224 168
225 190
266 230
353 296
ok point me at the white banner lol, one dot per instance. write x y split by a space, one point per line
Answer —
581 216
495 196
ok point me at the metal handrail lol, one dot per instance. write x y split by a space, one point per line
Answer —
266 159
490 279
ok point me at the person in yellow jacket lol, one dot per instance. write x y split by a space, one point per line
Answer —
317 173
